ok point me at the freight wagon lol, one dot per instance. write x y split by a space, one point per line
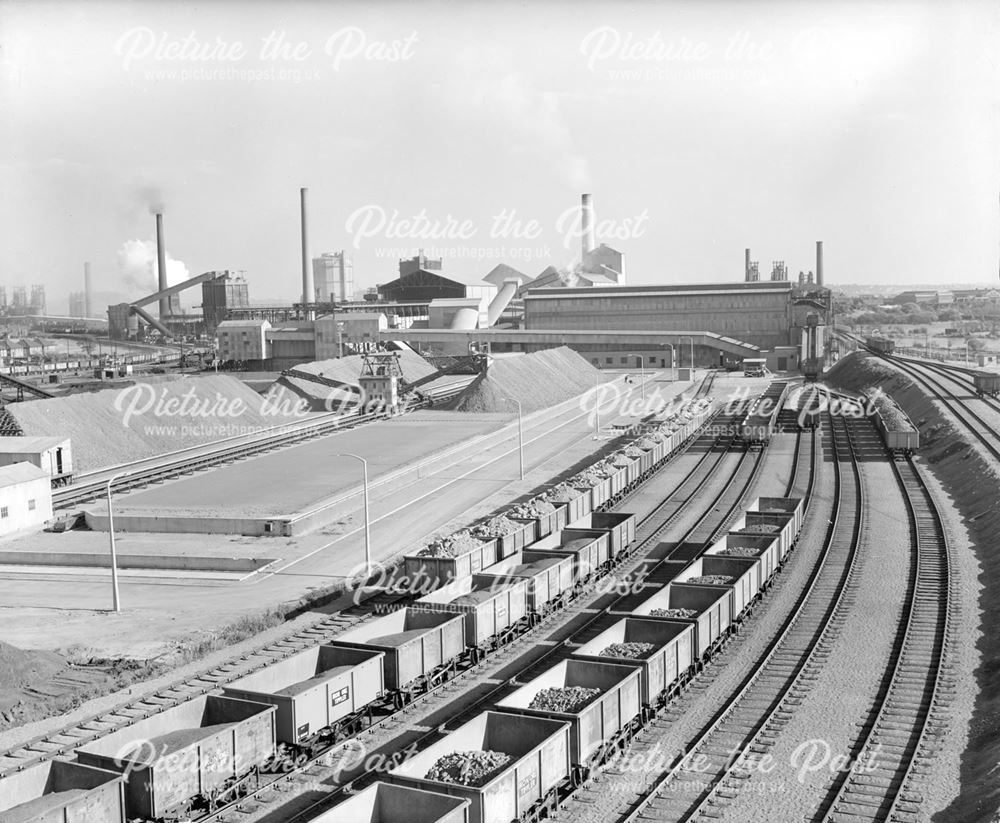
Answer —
764 549
598 489
781 516
663 669
547 517
323 694
550 579
194 756
740 576
426 572
706 608
387 803
619 525
60 791
898 433
421 649
510 536
493 617
590 549
601 726
761 419
986 382
576 501
880 345
527 787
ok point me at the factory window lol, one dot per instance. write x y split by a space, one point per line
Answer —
624 361
3 511
608 361
31 504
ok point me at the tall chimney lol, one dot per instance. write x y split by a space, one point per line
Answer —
308 288
86 290
587 218
819 262
746 265
161 263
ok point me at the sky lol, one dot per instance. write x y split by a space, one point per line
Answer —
471 129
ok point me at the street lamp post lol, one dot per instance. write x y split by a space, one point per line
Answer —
368 537
115 597
520 436
642 378
597 406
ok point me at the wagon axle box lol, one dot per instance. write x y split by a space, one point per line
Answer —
616 705
670 658
539 763
59 791
314 689
415 643
187 751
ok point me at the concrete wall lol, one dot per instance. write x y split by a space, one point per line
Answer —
759 317
135 561
16 501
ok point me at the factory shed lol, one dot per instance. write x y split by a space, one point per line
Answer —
51 454
25 497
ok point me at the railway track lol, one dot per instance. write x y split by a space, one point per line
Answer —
64 741
477 688
721 756
911 711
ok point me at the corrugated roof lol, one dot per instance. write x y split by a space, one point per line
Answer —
18 473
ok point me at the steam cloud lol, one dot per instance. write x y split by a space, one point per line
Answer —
137 264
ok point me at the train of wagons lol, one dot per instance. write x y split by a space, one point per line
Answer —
186 760
880 345
178 761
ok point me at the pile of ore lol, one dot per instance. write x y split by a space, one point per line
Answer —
566 699
468 768
534 508
740 551
494 527
629 649
451 546
712 579
672 613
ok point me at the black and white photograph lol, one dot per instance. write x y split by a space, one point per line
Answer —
427 411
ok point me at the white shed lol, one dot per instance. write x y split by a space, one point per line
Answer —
51 454
25 497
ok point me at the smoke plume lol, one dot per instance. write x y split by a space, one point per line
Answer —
137 265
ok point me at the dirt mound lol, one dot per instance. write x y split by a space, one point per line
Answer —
537 380
151 417
970 480
20 670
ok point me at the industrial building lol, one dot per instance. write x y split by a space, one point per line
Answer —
333 277
25 497
220 295
52 455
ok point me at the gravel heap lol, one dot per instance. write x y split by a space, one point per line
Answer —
618 461
468 768
179 412
712 579
633 452
562 493
533 508
648 443
895 419
760 528
537 381
565 699
740 551
672 613
635 650
347 370
589 478
451 546
494 527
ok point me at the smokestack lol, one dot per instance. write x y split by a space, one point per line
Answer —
819 262
86 290
588 224
308 289
161 263
746 265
